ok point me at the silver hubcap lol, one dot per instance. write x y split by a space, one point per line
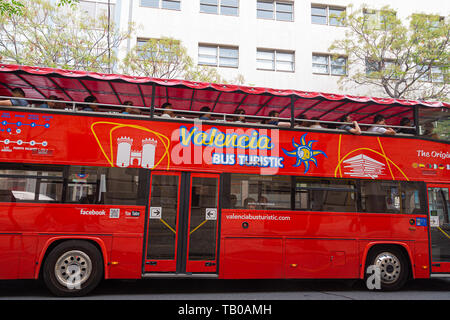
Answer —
73 268
390 267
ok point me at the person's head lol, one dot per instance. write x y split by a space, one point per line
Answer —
405 122
317 120
60 105
128 103
249 203
274 114
205 110
18 92
52 104
379 119
168 109
240 115
346 118
303 123
274 117
91 99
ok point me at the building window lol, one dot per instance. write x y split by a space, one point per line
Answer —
218 56
328 64
163 4
160 50
327 15
224 7
379 19
275 60
96 10
434 74
275 10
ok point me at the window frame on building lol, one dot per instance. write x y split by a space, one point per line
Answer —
275 61
327 15
219 48
220 5
161 4
275 12
329 64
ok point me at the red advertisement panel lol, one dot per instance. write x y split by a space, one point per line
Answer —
170 145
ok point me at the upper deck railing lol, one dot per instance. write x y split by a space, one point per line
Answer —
190 115
72 91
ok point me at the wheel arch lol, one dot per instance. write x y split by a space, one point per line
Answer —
403 246
51 243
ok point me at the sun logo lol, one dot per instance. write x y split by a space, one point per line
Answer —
304 152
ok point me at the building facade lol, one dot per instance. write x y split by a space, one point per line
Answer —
279 44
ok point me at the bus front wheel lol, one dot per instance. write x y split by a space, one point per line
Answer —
73 268
387 269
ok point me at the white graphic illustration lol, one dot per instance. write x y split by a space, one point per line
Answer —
145 158
363 166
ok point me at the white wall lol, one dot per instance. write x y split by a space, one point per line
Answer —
248 33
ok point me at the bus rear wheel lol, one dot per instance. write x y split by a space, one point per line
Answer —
73 268
391 267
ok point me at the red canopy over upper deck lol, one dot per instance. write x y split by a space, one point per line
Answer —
114 89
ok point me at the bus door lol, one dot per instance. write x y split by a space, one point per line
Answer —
439 214
182 223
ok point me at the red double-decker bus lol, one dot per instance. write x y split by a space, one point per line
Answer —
127 186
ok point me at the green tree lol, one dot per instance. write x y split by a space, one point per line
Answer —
168 58
45 34
15 7
406 60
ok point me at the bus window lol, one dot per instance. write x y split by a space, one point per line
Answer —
245 191
98 185
380 196
413 198
30 185
325 195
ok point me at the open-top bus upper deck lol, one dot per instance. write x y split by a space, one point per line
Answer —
219 144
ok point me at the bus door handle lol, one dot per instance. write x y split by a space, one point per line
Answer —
152 263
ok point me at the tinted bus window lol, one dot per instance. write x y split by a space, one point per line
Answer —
325 195
392 197
98 185
21 185
244 191
380 196
413 198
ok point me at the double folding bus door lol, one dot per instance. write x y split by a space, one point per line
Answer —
182 226
439 217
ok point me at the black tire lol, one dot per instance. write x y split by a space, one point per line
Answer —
393 266
73 268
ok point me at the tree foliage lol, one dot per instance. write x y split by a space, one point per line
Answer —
406 60
168 58
47 35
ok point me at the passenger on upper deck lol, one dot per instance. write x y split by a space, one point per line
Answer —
206 113
128 109
405 122
49 104
239 118
273 118
168 110
18 93
380 120
355 129
90 107
302 124
429 131
316 125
